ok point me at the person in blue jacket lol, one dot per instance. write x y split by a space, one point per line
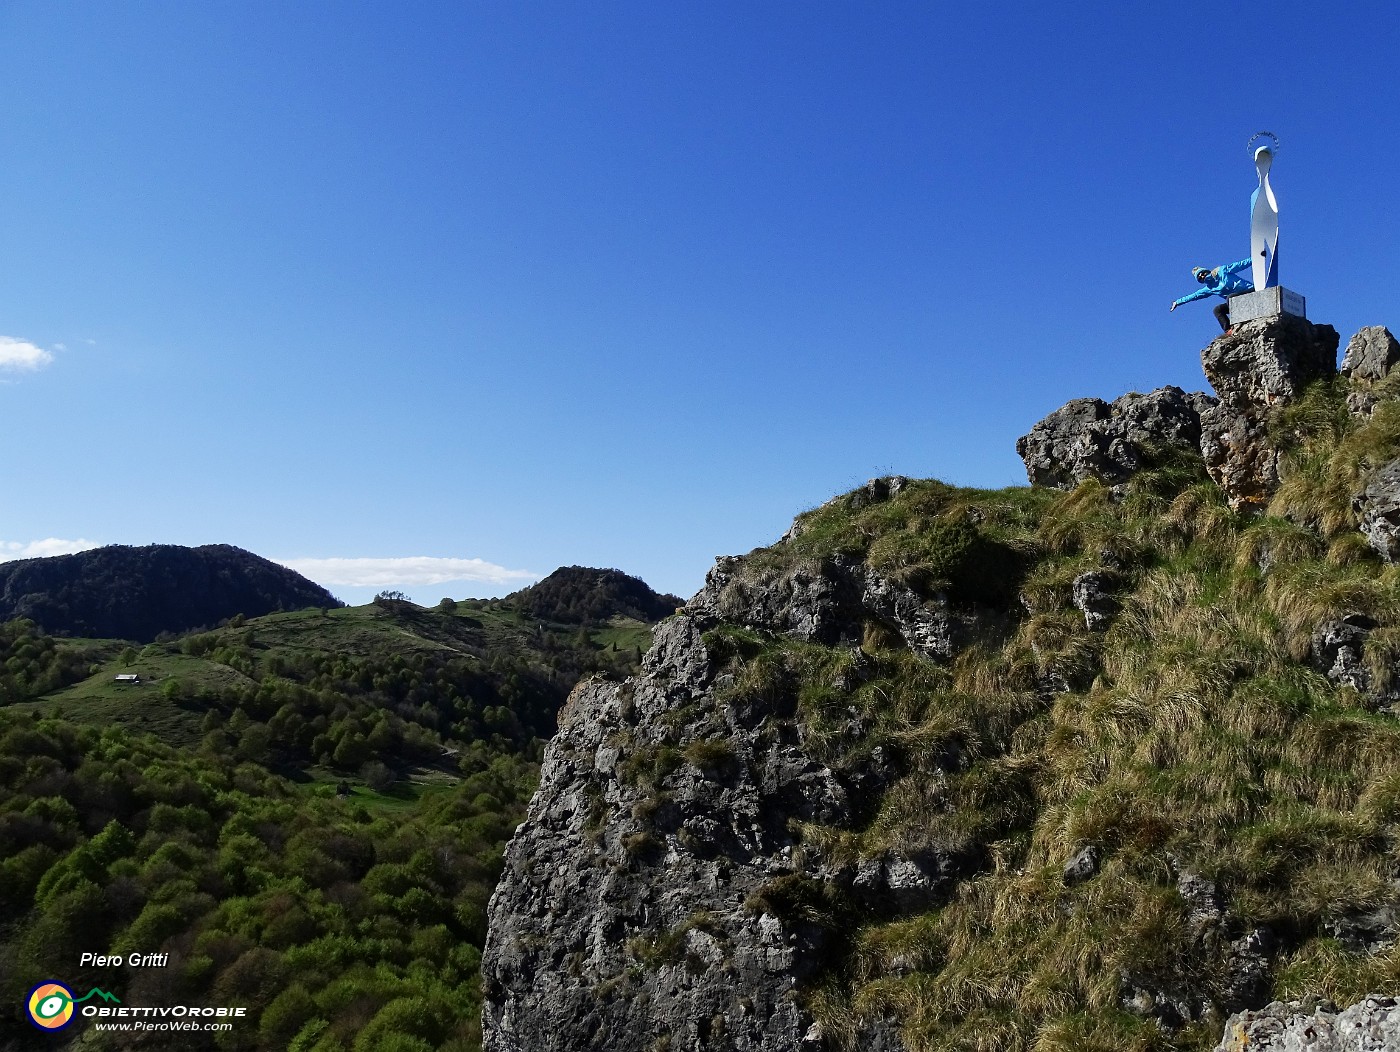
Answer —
1223 281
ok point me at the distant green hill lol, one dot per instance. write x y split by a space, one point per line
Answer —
581 593
406 681
141 593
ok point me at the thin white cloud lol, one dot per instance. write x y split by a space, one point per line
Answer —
21 355
10 550
402 572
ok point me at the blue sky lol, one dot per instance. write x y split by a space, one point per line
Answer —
494 288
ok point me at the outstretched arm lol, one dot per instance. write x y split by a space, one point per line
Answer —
1231 268
1198 294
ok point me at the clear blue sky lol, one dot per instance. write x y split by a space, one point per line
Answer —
625 284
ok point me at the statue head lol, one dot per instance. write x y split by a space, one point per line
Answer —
1264 152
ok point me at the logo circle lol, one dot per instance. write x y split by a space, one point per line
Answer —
50 1006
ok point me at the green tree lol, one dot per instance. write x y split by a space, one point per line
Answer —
377 775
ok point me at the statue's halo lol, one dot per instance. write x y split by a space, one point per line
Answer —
1272 147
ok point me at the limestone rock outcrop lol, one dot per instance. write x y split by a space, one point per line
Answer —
827 604
1370 354
1371 1025
641 905
1269 361
1257 367
1110 441
708 835
1370 357
619 918
1093 595
1337 648
1239 454
1377 510
1240 964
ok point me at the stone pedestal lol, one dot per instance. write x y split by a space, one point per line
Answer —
1266 303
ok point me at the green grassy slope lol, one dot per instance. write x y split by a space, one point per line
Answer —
1193 735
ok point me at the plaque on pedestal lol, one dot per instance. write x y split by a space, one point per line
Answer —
1266 303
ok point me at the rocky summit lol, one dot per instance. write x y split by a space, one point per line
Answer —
1257 369
1108 762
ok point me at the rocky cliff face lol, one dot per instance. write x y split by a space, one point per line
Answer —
657 895
1257 368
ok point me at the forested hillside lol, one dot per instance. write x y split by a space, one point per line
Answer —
306 811
124 592
581 593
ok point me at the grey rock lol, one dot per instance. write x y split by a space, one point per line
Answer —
1370 354
883 1036
1366 931
1050 685
1371 1025
1082 866
1090 438
1239 455
1337 649
877 491
1202 899
1173 1005
915 884
928 629
1377 510
678 655
828 602
1257 367
1248 975
1092 594
1362 403
1270 360
1226 973
897 884
870 877
613 937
